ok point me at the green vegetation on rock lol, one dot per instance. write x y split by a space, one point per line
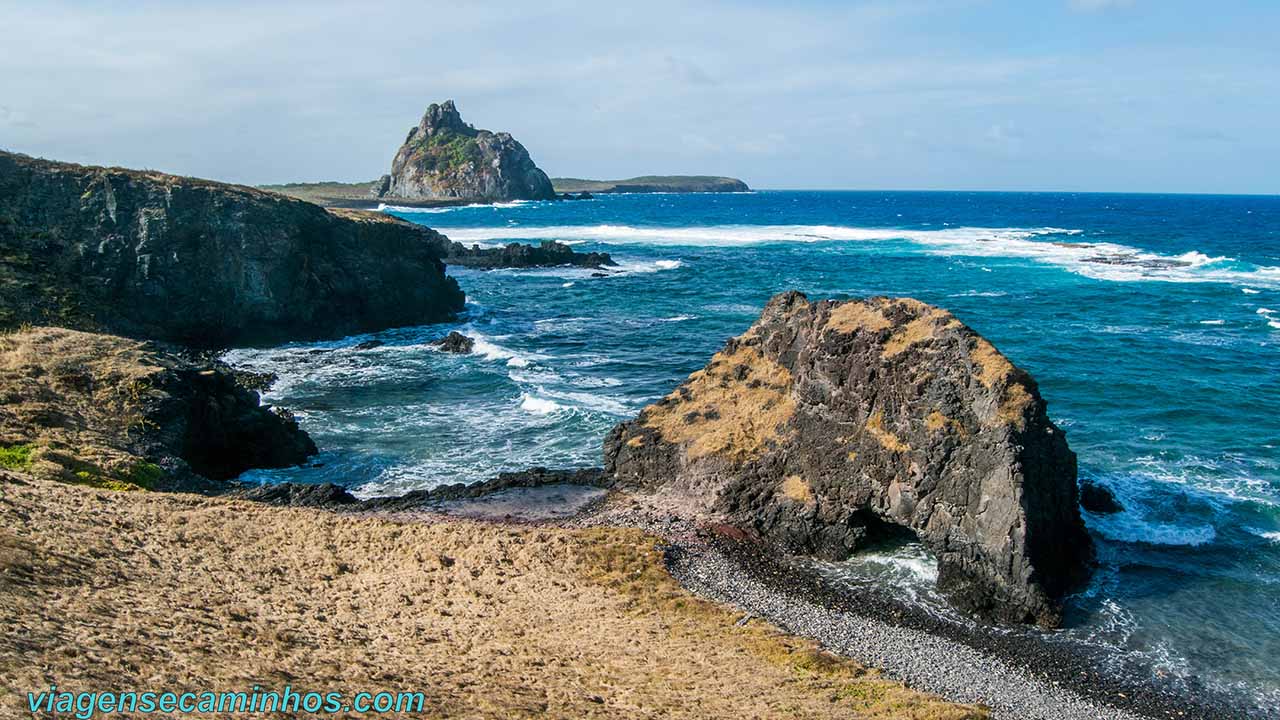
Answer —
16 457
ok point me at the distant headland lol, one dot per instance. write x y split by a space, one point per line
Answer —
446 161
652 184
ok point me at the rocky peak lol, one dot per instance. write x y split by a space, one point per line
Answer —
444 116
443 157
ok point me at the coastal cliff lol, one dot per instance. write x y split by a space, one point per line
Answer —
444 157
202 263
829 425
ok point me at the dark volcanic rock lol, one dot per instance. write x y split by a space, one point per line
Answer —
325 495
533 477
1098 498
202 263
516 255
826 424
334 496
455 342
444 157
105 410
369 345
256 381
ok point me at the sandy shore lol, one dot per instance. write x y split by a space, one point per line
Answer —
506 607
103 590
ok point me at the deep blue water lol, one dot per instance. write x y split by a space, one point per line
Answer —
1152 324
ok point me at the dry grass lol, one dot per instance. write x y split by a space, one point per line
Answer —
993 369
918 330
74 400
796 489
1014 408
857 315
992 366
182 593
937 421
887 440
733 408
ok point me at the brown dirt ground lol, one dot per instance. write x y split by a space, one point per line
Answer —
104 590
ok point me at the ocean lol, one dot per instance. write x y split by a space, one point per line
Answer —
1151 322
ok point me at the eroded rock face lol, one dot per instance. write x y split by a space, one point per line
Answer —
444 157
206 264
826 423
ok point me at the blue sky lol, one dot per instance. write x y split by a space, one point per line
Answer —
1123 95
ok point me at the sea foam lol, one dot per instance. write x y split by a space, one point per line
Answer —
1051 245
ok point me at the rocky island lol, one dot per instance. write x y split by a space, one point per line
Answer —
445 158
828 425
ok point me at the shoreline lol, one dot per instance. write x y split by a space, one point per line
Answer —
1018 672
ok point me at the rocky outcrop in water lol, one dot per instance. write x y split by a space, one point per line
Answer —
444 157
112 412
455 342
828 425
518 255
206 264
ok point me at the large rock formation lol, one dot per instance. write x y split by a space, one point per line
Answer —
207 264
444 157
108 411
827 424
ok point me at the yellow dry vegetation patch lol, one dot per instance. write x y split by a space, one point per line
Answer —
101 384
1013 409
937 421
918 330
733 408
187 594
856 315
889 441
796 489
992 366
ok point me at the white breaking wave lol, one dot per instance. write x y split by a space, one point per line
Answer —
728 235
1098 260
1270 535
537 405
1130 527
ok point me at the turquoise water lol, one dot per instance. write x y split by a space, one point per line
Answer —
1152 324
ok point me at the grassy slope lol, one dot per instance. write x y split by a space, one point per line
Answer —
326 193
180 592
